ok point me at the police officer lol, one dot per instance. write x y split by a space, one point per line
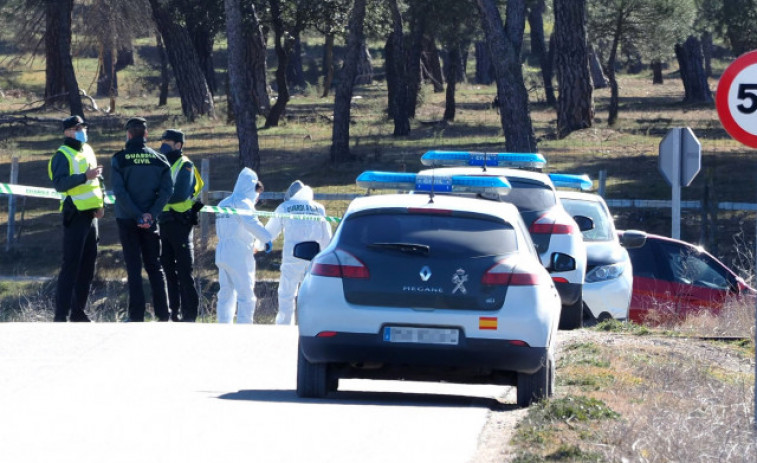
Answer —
142 185
75 173
176 222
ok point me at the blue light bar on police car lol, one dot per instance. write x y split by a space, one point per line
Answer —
376 180
466 158
582 182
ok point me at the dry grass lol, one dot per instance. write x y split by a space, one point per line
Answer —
662 397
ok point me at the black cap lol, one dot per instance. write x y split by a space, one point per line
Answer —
73 121
176 136
136 122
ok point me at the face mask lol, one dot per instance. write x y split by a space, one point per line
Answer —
81 135
165 148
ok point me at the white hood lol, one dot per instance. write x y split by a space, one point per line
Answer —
303 194
245 186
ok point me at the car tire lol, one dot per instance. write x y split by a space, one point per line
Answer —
572 316
312 378
537 386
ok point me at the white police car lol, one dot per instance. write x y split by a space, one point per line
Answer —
555 233
609 276
429 288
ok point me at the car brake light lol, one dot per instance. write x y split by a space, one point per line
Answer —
503 274
326 334
339 264
548 225
559 279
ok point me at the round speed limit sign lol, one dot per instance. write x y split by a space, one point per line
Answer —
736 99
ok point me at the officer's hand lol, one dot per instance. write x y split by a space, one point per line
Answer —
100 213
269 247
94 172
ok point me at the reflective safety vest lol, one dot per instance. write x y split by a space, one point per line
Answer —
88 195
183 206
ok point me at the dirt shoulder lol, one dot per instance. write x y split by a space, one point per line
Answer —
630 395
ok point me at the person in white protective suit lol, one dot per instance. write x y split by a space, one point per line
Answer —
298 200
237 235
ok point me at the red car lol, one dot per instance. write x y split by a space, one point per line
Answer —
673 279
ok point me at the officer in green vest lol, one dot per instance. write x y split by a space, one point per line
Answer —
176 223
74 172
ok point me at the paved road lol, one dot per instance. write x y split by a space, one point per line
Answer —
116 392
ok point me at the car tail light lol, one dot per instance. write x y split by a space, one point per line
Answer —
504 274
548 224
339 264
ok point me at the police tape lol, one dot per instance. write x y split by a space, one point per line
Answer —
50 193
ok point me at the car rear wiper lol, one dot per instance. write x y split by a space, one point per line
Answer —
409 248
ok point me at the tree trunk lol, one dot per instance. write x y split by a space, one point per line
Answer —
656 66
396 74
452 69
417 26
295 71
60 78
575 104
595 66
364 67
691 65
284 44
196 99
107 79
612 116
432 64
202 39
328 64
707 52
505 46
255 57
484 74
240 87
340 139
539 48
165 77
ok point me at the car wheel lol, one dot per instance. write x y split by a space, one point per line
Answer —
312 378
535 387
572 316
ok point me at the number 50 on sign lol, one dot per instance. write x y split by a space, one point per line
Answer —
736 99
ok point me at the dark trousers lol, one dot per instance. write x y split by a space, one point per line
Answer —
78 267
140 246
177 257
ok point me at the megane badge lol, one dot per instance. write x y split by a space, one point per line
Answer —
459 279
425 273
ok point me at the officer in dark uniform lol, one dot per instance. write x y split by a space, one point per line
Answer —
142 185
75 173
176 223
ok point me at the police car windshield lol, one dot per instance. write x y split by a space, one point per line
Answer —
530 196
443 235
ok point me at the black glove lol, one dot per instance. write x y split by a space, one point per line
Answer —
195 212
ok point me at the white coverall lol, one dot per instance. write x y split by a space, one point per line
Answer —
234 253
298 200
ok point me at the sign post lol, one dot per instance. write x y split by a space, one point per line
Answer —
680 161
736 101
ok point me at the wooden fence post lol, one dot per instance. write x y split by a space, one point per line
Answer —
602 182
205 217
12 206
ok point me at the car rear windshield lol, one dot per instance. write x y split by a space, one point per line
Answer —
603 229
530 196
445 235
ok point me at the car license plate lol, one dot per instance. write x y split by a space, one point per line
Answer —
409 334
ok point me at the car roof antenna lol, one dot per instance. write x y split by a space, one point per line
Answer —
485 161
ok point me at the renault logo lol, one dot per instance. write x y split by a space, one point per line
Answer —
425 273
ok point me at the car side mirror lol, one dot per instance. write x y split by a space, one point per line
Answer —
306 250
633 239
584 223
560 262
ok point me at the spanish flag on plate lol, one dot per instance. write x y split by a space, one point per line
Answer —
487 323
